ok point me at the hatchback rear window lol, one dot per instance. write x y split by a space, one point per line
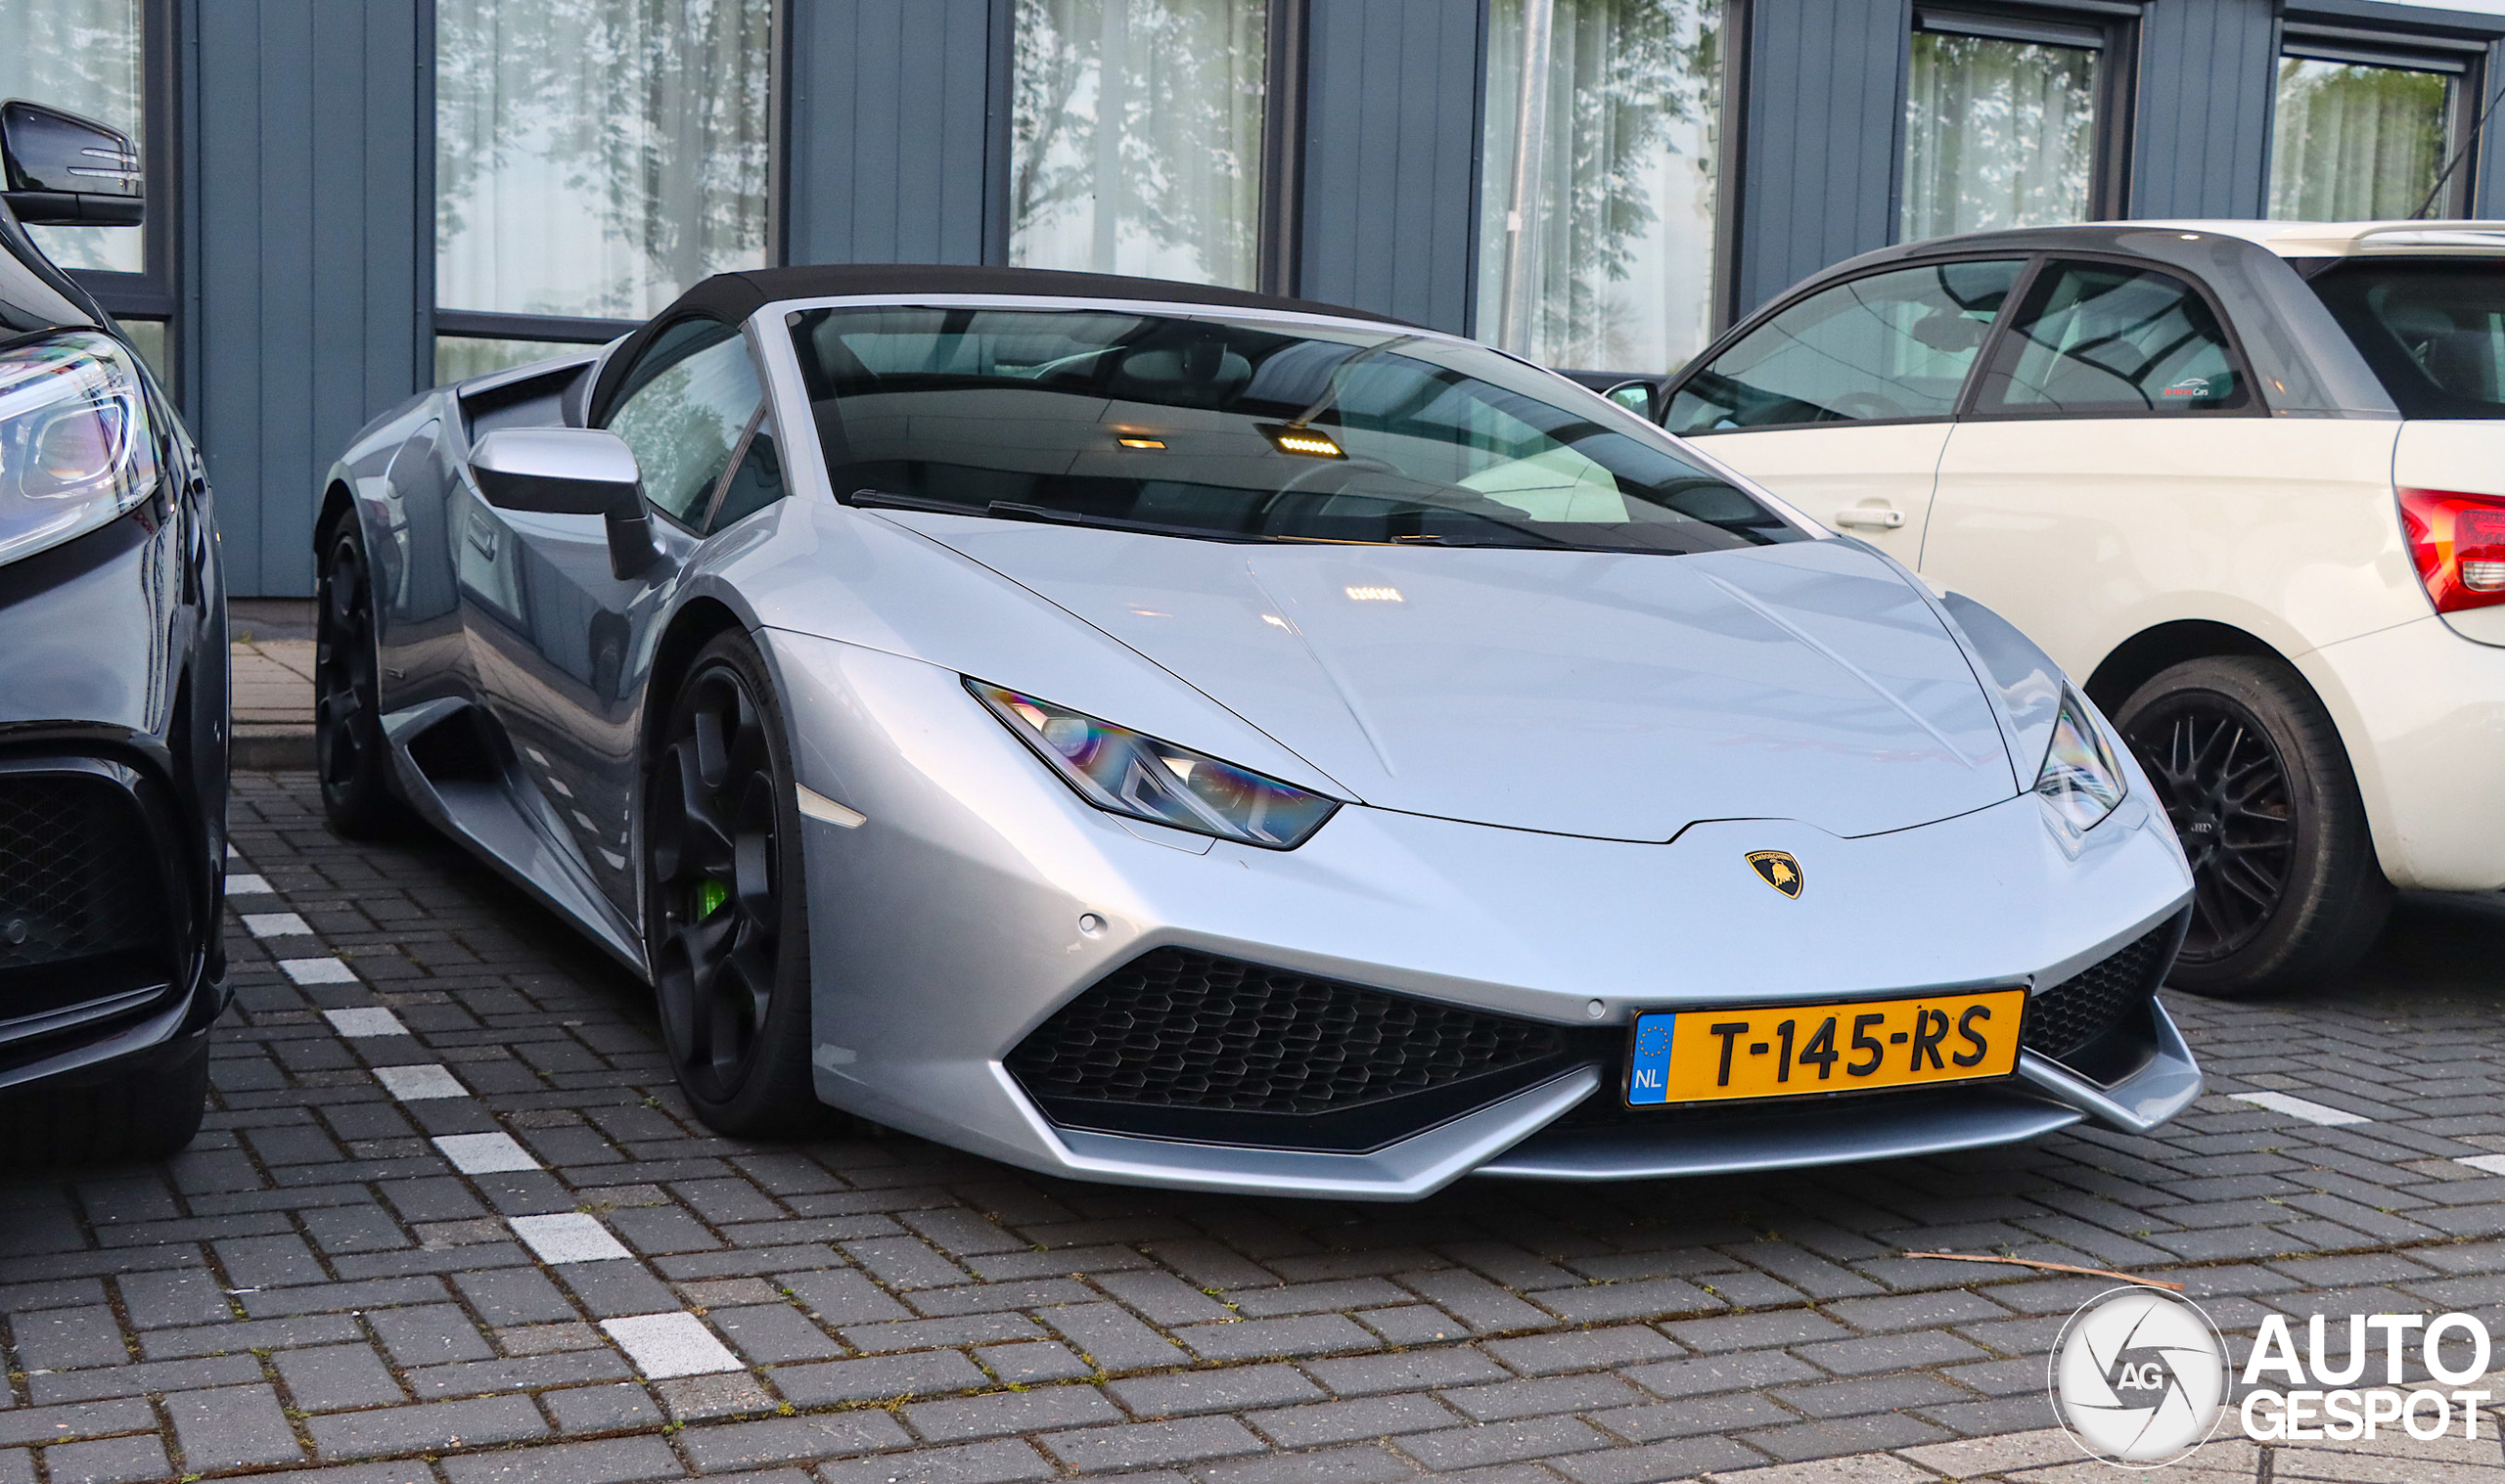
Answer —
2432 331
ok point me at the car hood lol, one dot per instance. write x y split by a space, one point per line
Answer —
1615 695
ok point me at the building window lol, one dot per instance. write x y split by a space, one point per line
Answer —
82 56
2006 124
2364 135
593 160
1599 184
1136 137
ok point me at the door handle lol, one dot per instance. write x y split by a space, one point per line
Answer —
1882 519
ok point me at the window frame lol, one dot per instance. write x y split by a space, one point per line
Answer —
2111 28
2028 262
2465 60
436 322
1996 347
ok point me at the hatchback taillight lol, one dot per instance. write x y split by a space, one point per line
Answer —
2458 543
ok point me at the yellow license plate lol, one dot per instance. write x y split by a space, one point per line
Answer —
1709 1055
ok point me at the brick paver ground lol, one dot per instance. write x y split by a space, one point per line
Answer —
612 1293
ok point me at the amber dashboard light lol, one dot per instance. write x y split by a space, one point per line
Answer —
1291 439
1128 442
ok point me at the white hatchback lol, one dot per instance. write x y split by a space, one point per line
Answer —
2247 477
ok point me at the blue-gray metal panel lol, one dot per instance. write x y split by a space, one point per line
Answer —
2202 138
307 259
1390 158
1820 122
889 102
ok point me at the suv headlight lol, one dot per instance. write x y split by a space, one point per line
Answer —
1125 772
76 449
2081 782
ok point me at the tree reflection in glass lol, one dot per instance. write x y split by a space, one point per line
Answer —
83 56
1597 208
1135 137
1998 134
2356 143
597 157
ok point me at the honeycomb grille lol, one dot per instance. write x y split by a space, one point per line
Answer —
77 877
1179 1029
2079 1009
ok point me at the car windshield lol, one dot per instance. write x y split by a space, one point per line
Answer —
2433 330
1246 430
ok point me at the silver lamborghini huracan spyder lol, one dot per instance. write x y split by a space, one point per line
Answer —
1182 737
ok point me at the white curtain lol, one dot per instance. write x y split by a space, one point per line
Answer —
83 56
2356 143
597 157
1998 134
1596 208
1135 137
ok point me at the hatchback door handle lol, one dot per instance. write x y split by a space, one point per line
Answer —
1883 519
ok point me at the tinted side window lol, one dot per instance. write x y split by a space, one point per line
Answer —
1895 344
2113 340
2434 332
684 419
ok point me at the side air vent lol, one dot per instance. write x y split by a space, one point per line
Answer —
1185 1045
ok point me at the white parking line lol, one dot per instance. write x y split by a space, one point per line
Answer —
2298 1107
417 1084
318 970
2486 1164
232 853
365 1021
568 1237
484 1153
664 1345
275 924
247 885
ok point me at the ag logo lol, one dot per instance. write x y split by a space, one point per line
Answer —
1779 870
2138 1377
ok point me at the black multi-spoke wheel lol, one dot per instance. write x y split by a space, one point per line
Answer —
2286 888
347 727
725 923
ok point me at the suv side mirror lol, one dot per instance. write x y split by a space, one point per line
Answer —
570 472
57 170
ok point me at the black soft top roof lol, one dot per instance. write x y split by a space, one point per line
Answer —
734 296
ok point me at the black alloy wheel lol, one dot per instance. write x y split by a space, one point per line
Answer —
725 916
348 750
2286 887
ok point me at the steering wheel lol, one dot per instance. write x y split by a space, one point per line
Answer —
1862 406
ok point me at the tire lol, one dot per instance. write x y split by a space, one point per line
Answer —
145 1115
349 755
2286 887
726 927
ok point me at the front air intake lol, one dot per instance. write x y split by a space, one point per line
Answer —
86 926
1178 1044
2073 1014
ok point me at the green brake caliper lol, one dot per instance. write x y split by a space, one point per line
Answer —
710 897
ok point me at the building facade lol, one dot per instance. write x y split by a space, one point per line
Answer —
355 199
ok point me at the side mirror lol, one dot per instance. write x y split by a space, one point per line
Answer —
1635 397
570 472
57 170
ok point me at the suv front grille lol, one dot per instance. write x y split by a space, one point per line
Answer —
2073 1013
1182 1043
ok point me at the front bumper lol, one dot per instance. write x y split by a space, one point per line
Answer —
980 896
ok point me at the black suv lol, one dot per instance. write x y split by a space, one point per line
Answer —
113 694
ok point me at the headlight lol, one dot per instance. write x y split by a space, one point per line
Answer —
75 448
1124 772
2081 781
